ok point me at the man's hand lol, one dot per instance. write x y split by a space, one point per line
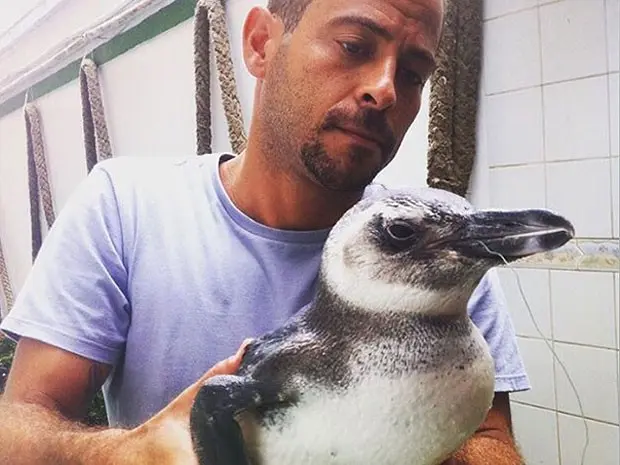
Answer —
166 436
49 389
493 443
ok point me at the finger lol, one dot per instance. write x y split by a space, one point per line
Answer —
227 366
182 404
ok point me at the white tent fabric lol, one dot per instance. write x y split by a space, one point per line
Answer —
86 24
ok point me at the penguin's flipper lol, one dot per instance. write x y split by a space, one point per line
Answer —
216 436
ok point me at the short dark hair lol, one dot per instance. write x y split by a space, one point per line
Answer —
290 11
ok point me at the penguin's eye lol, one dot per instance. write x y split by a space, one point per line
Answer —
400 233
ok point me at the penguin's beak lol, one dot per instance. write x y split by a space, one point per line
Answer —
513 234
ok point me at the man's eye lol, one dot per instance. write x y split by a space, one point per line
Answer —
412 77
354 49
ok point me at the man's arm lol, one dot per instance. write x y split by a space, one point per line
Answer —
74 301
493 443
47 393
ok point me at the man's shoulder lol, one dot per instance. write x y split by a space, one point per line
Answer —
146 169
488 298
145 186
130 178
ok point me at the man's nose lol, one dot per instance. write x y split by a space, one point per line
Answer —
377 87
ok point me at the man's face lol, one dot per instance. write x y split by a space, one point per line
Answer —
345 86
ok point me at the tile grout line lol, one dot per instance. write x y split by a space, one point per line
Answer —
609 128
519 10
606 40
546 186
571 343
510 13
550 83
551 162
566 413
616 278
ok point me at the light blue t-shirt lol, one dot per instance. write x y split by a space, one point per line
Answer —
151 268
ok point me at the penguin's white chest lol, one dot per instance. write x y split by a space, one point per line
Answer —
415 419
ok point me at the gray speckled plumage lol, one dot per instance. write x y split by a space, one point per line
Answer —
384 366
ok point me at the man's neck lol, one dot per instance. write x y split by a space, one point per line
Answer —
281 200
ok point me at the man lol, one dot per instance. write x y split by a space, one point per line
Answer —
157 269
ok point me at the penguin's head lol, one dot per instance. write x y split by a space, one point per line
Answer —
425 250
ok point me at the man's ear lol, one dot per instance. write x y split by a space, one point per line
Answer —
262 33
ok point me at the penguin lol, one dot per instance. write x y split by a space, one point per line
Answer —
384 366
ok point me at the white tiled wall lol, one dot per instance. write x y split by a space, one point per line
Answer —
550 127
617 305
582 306
502 7
613 34
613 112
510 114
517 186
594 374
512 52
535 284
571 35
538 363
615 188
602 438
582 191
576 119
541 438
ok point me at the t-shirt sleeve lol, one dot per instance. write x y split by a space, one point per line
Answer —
75 294
489 312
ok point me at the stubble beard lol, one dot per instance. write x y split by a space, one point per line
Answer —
307 157
277 117
325 170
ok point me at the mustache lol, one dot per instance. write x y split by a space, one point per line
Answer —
368 119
